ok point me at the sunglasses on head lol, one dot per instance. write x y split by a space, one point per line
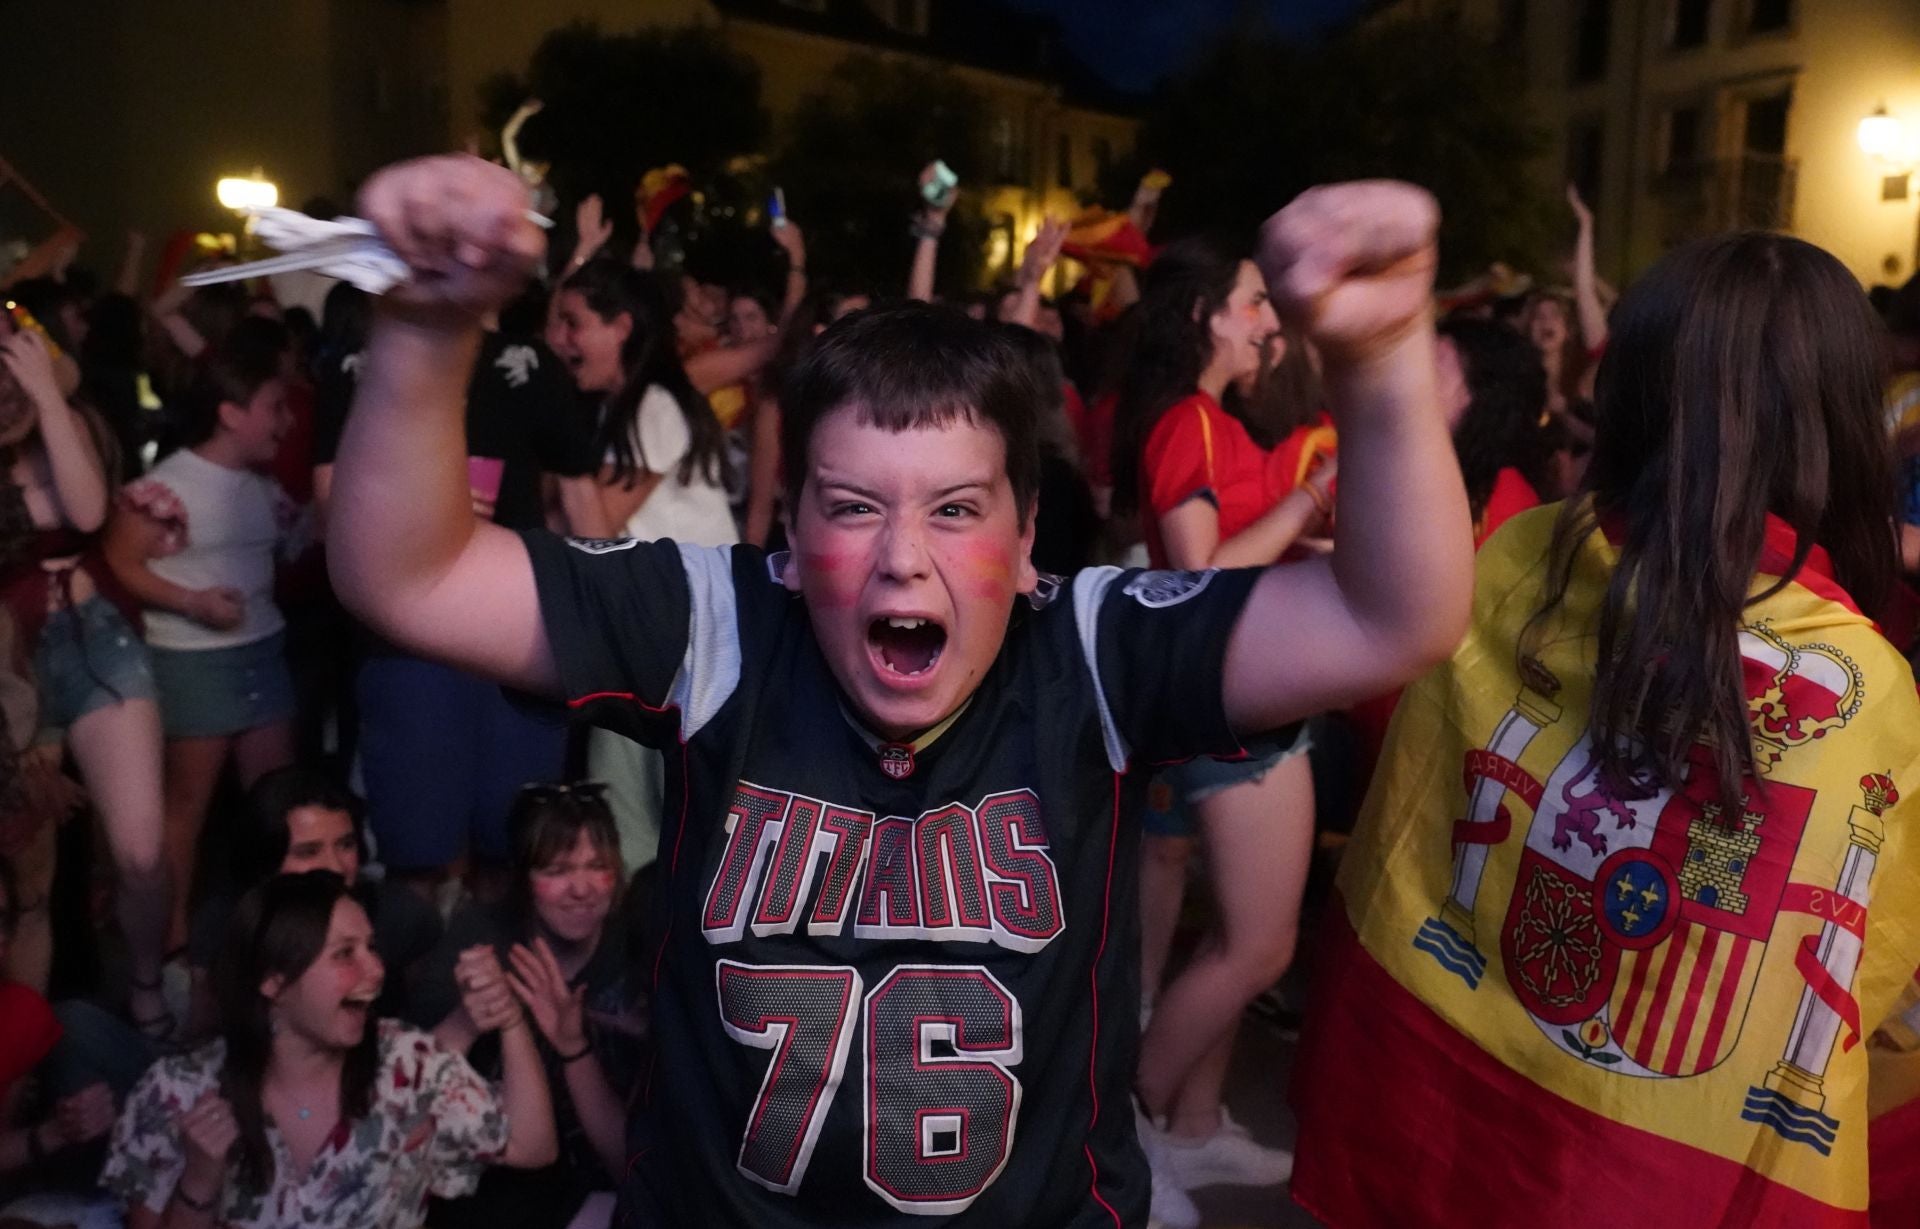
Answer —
584 791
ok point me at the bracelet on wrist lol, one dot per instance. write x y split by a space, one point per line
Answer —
567 1060
189 1202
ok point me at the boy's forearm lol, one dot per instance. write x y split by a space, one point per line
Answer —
400 509
1404 566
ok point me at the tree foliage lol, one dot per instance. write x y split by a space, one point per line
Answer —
617 105
1255 120
849 163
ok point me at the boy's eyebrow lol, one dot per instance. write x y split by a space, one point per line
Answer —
827 482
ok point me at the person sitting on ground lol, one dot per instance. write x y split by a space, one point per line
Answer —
29 1032
308 1110
562 937
304 819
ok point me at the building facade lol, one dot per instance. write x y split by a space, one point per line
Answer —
141 105
1685 117
1052 128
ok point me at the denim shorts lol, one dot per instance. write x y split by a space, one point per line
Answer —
1174 792
211 693
88 658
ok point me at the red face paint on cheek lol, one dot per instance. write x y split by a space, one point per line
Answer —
832 579
988 569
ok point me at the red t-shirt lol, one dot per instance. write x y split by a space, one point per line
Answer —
1512 494
1198 450
28 1030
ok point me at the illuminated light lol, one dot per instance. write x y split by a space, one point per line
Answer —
246 195
1882 136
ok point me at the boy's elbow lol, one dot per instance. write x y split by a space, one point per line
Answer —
377 605
1434 635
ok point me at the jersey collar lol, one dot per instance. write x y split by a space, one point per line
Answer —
898 759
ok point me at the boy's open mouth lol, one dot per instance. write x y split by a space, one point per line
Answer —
907 645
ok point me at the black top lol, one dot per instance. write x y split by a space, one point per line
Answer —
889 996
615 1010
521 414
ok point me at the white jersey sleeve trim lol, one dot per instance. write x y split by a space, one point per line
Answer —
1089 594
709 674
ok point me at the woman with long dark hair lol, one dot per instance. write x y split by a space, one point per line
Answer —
665 472
1631 887
307 1110
1206 499
666 454
1494 391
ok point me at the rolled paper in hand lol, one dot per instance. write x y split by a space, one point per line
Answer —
349 249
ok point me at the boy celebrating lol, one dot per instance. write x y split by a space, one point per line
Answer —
897 971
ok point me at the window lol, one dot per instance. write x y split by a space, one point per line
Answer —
1102 158
1063 160
1767 124
1586 153
1766 188
1690 23
1005 156
1766 16
1592 34
1682 148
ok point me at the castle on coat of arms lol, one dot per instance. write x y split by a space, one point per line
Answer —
1718 855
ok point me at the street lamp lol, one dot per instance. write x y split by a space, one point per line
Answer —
246 195
1881 136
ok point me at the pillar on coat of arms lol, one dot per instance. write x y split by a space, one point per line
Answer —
1792 1098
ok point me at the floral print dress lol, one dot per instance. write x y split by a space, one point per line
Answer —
433 1127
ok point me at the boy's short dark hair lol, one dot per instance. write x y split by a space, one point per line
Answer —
915 365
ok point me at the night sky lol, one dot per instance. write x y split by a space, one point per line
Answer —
1133 43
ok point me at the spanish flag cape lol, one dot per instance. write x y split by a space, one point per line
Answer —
1553 998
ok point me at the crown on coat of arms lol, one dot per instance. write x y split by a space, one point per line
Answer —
1814 691
1880 792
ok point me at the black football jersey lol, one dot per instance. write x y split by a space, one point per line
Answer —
893 984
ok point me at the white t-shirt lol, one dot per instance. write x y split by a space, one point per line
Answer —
695 513
237 522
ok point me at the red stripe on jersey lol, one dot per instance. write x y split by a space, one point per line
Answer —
1093 1055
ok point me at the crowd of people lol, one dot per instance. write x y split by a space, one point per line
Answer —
914 659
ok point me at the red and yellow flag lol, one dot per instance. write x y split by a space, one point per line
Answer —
1550 997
